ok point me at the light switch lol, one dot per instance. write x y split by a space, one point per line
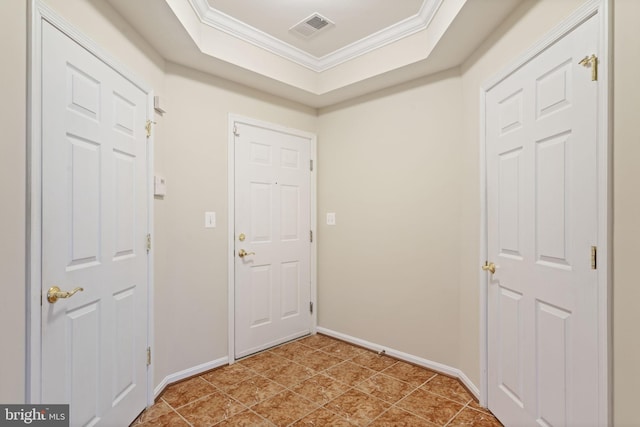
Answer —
159 186
209 220
331 218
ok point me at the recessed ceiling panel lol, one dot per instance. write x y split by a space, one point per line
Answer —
353 19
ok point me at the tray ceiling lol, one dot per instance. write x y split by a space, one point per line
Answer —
366 46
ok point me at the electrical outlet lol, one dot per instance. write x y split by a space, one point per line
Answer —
331 218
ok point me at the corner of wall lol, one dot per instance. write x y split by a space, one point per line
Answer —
13 83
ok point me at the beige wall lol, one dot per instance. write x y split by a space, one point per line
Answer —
400 169
13 80
388 167
191 261
626 218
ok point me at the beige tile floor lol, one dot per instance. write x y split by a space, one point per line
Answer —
317 381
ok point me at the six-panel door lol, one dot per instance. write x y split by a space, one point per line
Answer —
94 223
542 222
272 209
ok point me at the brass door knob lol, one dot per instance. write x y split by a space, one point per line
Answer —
489 266
54 293
242 253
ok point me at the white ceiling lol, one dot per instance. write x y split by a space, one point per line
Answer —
371 45
354 19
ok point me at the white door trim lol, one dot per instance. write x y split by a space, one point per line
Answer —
38 13
600 8
234 118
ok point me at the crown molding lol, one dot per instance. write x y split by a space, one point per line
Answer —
383 37
238 29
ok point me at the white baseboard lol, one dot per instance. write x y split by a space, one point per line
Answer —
186 373
429 364
435 366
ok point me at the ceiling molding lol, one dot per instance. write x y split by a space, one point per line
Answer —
383 37
229 25
238 29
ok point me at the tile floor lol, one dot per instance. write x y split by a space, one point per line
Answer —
317 381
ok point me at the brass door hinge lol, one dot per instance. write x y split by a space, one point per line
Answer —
594 257
148 243
591 61
148 356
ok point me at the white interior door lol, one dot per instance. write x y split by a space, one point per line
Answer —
272 225
94 226
541 133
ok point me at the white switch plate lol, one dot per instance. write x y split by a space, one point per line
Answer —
331 218
209 220
159 186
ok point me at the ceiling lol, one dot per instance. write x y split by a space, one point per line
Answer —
353 20
363 45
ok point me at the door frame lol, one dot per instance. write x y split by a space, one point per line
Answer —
601 9
235 118
38 13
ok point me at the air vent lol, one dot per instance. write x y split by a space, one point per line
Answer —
311 26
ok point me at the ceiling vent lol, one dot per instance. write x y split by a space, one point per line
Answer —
311 26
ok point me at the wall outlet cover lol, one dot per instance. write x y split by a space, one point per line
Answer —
331 218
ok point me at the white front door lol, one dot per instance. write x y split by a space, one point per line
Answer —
273 226
94 227
542 198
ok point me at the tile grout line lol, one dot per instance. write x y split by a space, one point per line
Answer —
180 415
322 372
218 390
406 410
455 415
354 387
286 388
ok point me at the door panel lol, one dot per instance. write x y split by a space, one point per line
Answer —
290 212
94 222
510 187
83 345
552 201
261 292
542 215
510 378
290 289
552 362
272 283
